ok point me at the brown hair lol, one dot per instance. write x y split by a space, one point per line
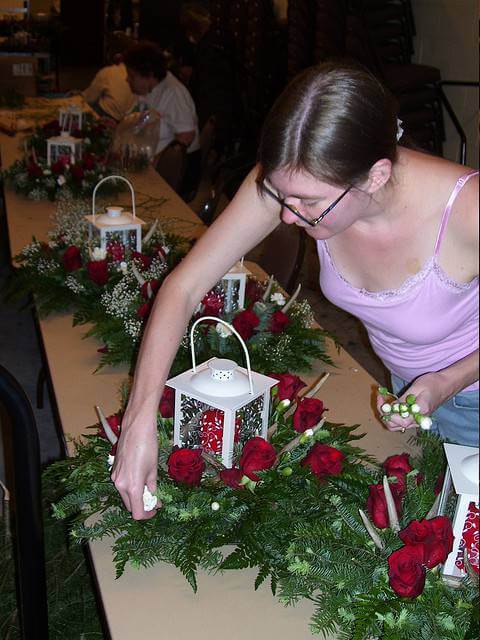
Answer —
333 121
147 59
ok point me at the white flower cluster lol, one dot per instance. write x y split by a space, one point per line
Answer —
133 328
74 285
21 179
45 266
37 194
156 270
119 300
302 311
30 250
278 298
69 220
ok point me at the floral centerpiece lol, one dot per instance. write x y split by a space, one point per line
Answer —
308 508
33 177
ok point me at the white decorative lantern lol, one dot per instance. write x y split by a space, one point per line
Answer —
460 496
219 406
65 148
115 225
233 284
71 118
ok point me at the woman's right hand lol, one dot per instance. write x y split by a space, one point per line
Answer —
136 467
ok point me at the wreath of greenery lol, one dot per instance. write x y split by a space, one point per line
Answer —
297 521
33 177
114 293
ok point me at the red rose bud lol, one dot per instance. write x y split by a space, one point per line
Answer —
288 385
98 271
231 477
324 460
398 466
377 503
254 290
103 349
406 572
257 455
114 422
35 170
307 414
154 287
213 304
72 259
77 172
167 403
186 465
57 167
435 535
141 259
143 310
278 322
245 323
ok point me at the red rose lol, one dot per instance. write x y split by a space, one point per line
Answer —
257 455
324 460
88 161
231 477
114 422
116 251
98 271
213 304
278 322
288 385
377 503
245 322
35 170
57 167
167 402
141 258
398 466
406 572
307 414
254 290
77 172
72 259
154 287
186 465
435 535
143 310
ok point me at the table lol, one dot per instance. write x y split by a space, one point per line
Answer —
158 603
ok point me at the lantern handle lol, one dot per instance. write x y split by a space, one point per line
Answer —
116 178
235 332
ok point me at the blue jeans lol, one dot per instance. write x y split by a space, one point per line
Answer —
455 420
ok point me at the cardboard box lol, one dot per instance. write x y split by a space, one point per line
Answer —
19 72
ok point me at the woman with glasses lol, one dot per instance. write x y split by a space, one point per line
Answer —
397 237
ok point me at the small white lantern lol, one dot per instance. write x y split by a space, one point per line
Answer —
64 147
71 118
219 406
233 284
115 225
460 496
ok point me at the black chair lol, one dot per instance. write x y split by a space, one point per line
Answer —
282 255
17 417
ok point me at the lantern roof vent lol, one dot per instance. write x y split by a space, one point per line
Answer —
222 378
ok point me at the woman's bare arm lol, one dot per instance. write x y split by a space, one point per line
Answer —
243 224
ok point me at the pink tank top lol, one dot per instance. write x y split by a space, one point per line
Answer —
427 324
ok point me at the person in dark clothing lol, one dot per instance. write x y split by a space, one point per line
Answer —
206 66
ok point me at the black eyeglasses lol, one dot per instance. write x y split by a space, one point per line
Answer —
294 210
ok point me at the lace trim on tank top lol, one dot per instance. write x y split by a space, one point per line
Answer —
409 283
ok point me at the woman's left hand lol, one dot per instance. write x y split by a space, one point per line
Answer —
429 395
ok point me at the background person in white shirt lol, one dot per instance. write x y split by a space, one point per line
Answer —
109 92
160 90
